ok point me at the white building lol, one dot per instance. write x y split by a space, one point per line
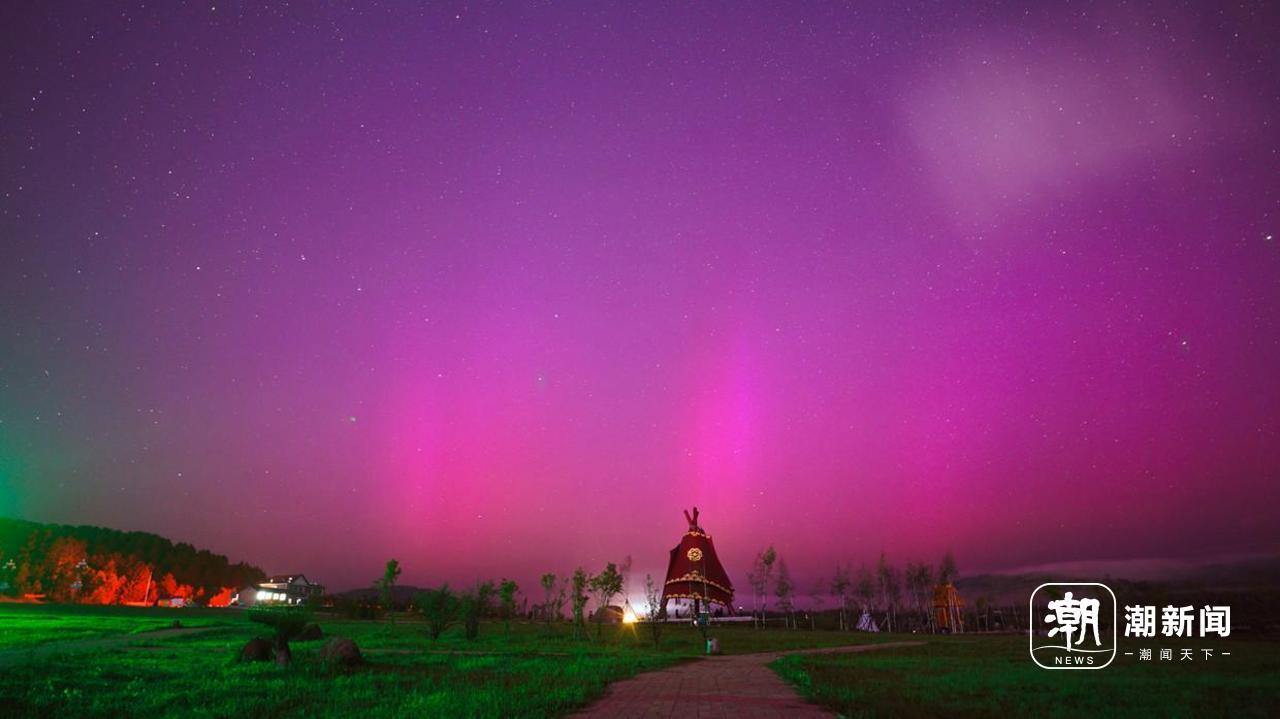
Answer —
279 589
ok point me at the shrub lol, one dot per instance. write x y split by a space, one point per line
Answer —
473 605
439 607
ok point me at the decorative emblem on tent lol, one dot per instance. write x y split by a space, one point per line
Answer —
695 571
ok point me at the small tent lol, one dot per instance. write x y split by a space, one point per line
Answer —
948 609
866 623
612 614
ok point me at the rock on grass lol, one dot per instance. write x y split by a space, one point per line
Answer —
341 651
256 650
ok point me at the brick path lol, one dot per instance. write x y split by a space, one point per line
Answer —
715 688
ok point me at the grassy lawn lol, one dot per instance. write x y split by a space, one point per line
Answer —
989 676
533 673
193 676
529 673
24 626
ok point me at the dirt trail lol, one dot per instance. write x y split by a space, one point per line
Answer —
732 686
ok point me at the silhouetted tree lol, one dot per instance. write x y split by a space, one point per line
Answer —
555 591
439 608
947 571
759 577
840 587
385 585
605 586
473 605
507 603
548 583
864 586
624 571
922 579
579 599
783 589
887 583
8 570
657 613
816 596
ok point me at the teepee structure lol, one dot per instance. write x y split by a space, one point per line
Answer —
948 609
695 571
866 623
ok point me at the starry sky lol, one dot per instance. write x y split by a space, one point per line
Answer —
501 288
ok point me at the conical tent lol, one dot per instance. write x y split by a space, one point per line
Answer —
948 608
866 623
695 571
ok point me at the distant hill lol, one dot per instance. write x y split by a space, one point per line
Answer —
400 595
106 566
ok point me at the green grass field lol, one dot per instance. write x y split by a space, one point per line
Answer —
28 626
44 673
58 661
991 676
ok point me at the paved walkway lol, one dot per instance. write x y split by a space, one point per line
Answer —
715 688
9 657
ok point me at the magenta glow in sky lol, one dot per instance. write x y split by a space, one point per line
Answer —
500 290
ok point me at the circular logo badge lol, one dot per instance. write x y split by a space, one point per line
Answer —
694 555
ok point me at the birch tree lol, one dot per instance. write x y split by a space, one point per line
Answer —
783 589
840 586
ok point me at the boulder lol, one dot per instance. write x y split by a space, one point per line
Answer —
341 651
256 650
310 633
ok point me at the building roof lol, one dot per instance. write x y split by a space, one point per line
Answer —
287 579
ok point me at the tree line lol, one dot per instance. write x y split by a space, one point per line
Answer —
443 607
96 565
902 599
898 599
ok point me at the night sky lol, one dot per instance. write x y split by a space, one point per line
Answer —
498 290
